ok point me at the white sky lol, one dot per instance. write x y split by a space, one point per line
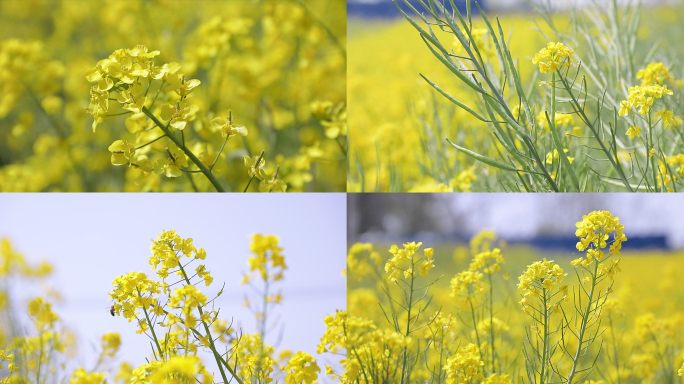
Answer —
92 238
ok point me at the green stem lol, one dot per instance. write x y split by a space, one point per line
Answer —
408 326
157 94
556 138
219 153
119 114
545 347
262 329
248 183
477 334
145 145
579 110
263 317
189 153
40 360
652 159
154 335
491 321
217 356
583 326
342 148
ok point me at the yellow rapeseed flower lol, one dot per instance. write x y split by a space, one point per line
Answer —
634 131
594 231
301 369
655 73
42 311
83 377
540 275
553 57
464 367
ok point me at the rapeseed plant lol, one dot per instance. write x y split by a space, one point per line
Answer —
570 118
568 325
180 321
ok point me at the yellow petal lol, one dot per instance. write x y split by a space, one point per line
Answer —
218 122
167 111
116 146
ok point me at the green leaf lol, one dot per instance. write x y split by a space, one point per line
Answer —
561 153
453 68
453 100
487 160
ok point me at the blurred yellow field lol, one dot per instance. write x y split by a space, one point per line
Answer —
172 96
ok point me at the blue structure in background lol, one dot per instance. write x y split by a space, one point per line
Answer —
568 243
562 244
387 10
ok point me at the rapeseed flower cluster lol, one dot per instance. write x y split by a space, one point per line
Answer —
466 285
188 321
594 234
403 261
177 370
81 376
132 292
465 366
42 313
482 241
540 276
267 258
33 357
643 98
8 358
655 73
333 118
123 73
334 339
679 161
253 356
552 157
13 263
366 342
359 266
490 261
553 57
110 343
302 368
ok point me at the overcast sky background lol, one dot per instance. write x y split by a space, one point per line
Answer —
92 238
517 216
526 215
